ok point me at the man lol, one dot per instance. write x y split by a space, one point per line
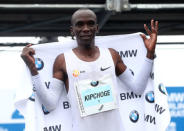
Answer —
89 75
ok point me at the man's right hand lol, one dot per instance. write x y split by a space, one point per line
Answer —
27 56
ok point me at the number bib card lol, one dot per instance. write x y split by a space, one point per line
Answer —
95 96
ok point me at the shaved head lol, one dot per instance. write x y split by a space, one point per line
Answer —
84 27
80 12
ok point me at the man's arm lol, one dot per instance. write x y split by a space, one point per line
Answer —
27 56
48 97
137 82
59 70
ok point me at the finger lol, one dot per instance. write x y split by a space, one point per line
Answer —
156 26
147 29
28 58
143 36
31 51
28 45
32 59
28 50
152 25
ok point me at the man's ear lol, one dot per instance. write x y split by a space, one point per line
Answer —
97 28
71 30
72 33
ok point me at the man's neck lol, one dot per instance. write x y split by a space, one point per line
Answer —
87 53
87 50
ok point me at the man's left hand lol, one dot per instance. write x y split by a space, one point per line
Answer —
150 43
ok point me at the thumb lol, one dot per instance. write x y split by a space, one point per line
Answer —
29 45
143 36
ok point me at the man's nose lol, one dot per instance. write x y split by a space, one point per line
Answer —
86 27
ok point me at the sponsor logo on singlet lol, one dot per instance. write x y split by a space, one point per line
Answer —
76 73
105 68
39 63
94 83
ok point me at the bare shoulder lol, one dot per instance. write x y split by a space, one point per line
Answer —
113 51
118 62
115 54
59 68
60 60
60 57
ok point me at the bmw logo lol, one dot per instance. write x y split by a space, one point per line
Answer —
45 110
150 97
162 89
32 97
94 83
134 116
39 63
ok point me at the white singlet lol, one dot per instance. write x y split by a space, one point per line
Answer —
93 84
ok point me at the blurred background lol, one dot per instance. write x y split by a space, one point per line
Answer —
43 21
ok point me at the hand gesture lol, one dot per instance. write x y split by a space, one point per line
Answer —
27 56
150 43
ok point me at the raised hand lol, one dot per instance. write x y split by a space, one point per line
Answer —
150 43
27 56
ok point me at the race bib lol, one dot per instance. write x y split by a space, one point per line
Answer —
95 96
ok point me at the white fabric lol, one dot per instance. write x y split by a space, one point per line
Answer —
90 71
133 81
151 116
49 97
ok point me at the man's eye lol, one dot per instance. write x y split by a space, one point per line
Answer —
91 23
79 24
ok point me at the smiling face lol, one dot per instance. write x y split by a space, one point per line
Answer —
84 27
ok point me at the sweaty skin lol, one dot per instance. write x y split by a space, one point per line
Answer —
84 27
